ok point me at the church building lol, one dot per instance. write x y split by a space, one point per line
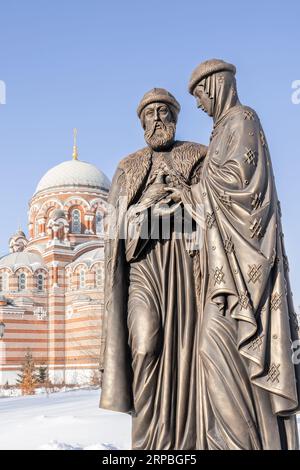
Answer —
51 282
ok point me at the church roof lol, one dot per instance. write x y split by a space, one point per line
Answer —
19 233
90 257
22 258
73 173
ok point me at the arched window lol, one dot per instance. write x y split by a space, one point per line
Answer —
76 221
98 276
40 282
22 281
81 279
3 282
99 223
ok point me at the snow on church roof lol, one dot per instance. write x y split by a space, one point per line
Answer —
22 258
90 257
73 173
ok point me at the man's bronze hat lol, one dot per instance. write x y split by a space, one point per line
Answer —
208 68
157 95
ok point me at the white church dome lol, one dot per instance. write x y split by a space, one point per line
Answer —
23 258
73 173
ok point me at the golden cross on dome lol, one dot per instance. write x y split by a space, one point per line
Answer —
75 151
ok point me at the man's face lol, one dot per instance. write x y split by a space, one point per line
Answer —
159 126
203 100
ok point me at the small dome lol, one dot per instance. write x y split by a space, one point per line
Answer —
22 258
90 257
58 214
73 173
20 233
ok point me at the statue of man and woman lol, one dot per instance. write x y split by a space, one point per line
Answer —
199 315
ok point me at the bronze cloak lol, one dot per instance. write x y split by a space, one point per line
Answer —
127 184
245 279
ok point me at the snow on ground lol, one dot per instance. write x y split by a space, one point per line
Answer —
68 420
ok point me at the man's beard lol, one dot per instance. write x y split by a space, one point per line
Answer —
160 136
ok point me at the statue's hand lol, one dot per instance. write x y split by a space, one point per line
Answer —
174 194
153 194
162 208
170 203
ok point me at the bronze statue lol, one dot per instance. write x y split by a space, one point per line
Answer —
150 300
249 385
199 341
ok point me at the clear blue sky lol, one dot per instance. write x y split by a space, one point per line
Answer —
86 64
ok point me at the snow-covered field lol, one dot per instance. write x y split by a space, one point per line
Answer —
62 420
67 420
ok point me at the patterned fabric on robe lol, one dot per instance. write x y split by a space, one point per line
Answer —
248 320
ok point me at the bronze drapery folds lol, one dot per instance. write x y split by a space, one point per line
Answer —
199 343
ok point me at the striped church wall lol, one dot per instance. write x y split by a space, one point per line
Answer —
69 338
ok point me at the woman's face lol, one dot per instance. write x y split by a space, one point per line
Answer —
203 100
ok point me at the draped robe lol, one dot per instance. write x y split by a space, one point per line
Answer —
210 366
150 305
248 381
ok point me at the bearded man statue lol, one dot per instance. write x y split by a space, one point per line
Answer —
151 280
248 373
